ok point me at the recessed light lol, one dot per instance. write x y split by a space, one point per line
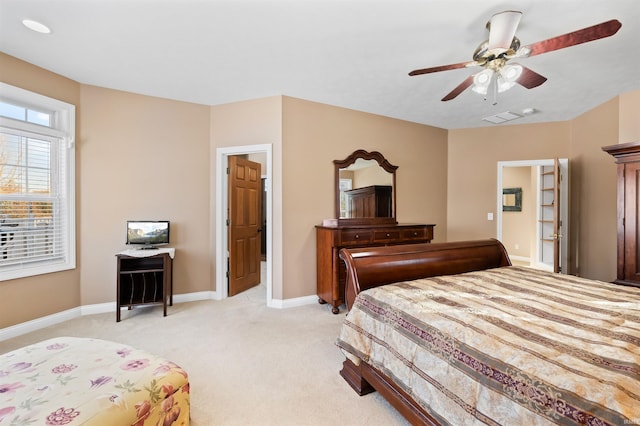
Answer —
36 26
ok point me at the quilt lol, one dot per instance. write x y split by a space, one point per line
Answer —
82 381
505 346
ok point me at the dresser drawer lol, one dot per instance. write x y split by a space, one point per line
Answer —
418 233
349 237
386 236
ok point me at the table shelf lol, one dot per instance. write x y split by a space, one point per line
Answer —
144 280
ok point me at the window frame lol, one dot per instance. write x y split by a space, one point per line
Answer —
62 127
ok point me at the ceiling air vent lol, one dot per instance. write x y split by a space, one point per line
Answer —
502 117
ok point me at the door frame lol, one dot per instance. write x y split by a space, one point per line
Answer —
564 203
222 202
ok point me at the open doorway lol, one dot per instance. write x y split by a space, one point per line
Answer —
222 206
532 212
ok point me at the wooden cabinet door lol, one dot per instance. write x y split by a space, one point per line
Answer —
630 221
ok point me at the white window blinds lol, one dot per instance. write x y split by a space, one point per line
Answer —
37 195
32 206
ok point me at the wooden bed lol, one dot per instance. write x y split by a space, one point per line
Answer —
371 268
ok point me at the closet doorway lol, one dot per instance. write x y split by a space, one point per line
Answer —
532 212
222 208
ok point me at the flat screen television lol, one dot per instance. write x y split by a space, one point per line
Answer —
147 234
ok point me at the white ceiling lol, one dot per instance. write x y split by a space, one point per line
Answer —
353 54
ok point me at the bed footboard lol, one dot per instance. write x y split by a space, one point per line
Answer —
365 379
375 266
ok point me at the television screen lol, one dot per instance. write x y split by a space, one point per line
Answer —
148 233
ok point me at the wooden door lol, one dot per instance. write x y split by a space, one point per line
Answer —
553 216
557 236
244 223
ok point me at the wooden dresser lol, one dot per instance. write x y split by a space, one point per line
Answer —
331 271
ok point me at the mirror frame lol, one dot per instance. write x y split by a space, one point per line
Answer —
382 162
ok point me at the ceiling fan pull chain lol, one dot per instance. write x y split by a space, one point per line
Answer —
492 90
495 90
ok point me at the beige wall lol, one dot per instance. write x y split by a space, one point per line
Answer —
592 173
25 299
254 122
316 134
593 192
444 177
473 167
141 158
369 176
629 117
137 157
518 227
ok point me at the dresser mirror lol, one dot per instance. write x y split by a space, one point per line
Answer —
365 189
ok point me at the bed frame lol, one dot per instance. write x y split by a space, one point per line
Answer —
375 266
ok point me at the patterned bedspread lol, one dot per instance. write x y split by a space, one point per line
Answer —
79 381
511 346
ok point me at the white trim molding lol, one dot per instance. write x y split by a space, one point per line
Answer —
38 323
221 198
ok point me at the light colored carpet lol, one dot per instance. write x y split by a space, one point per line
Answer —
247 364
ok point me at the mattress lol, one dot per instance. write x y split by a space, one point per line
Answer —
505 346
83 381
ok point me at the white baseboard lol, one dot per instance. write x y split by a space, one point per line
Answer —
101 308
293 303
194 297
38 323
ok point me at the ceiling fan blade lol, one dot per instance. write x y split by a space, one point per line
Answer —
459 89
595 32
502 29
530 79
442 68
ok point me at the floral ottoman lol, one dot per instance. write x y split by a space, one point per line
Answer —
81 381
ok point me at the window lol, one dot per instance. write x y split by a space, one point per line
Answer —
37 184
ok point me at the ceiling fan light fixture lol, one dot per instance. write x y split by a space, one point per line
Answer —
508 76
503 85
511 73
481 81
506 79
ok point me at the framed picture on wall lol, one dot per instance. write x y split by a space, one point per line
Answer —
511 199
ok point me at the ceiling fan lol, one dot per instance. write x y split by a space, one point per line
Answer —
502 46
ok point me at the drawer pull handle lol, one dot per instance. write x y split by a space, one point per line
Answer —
415 233
387 235
357 236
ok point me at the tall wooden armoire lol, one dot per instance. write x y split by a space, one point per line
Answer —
627 156
370 201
